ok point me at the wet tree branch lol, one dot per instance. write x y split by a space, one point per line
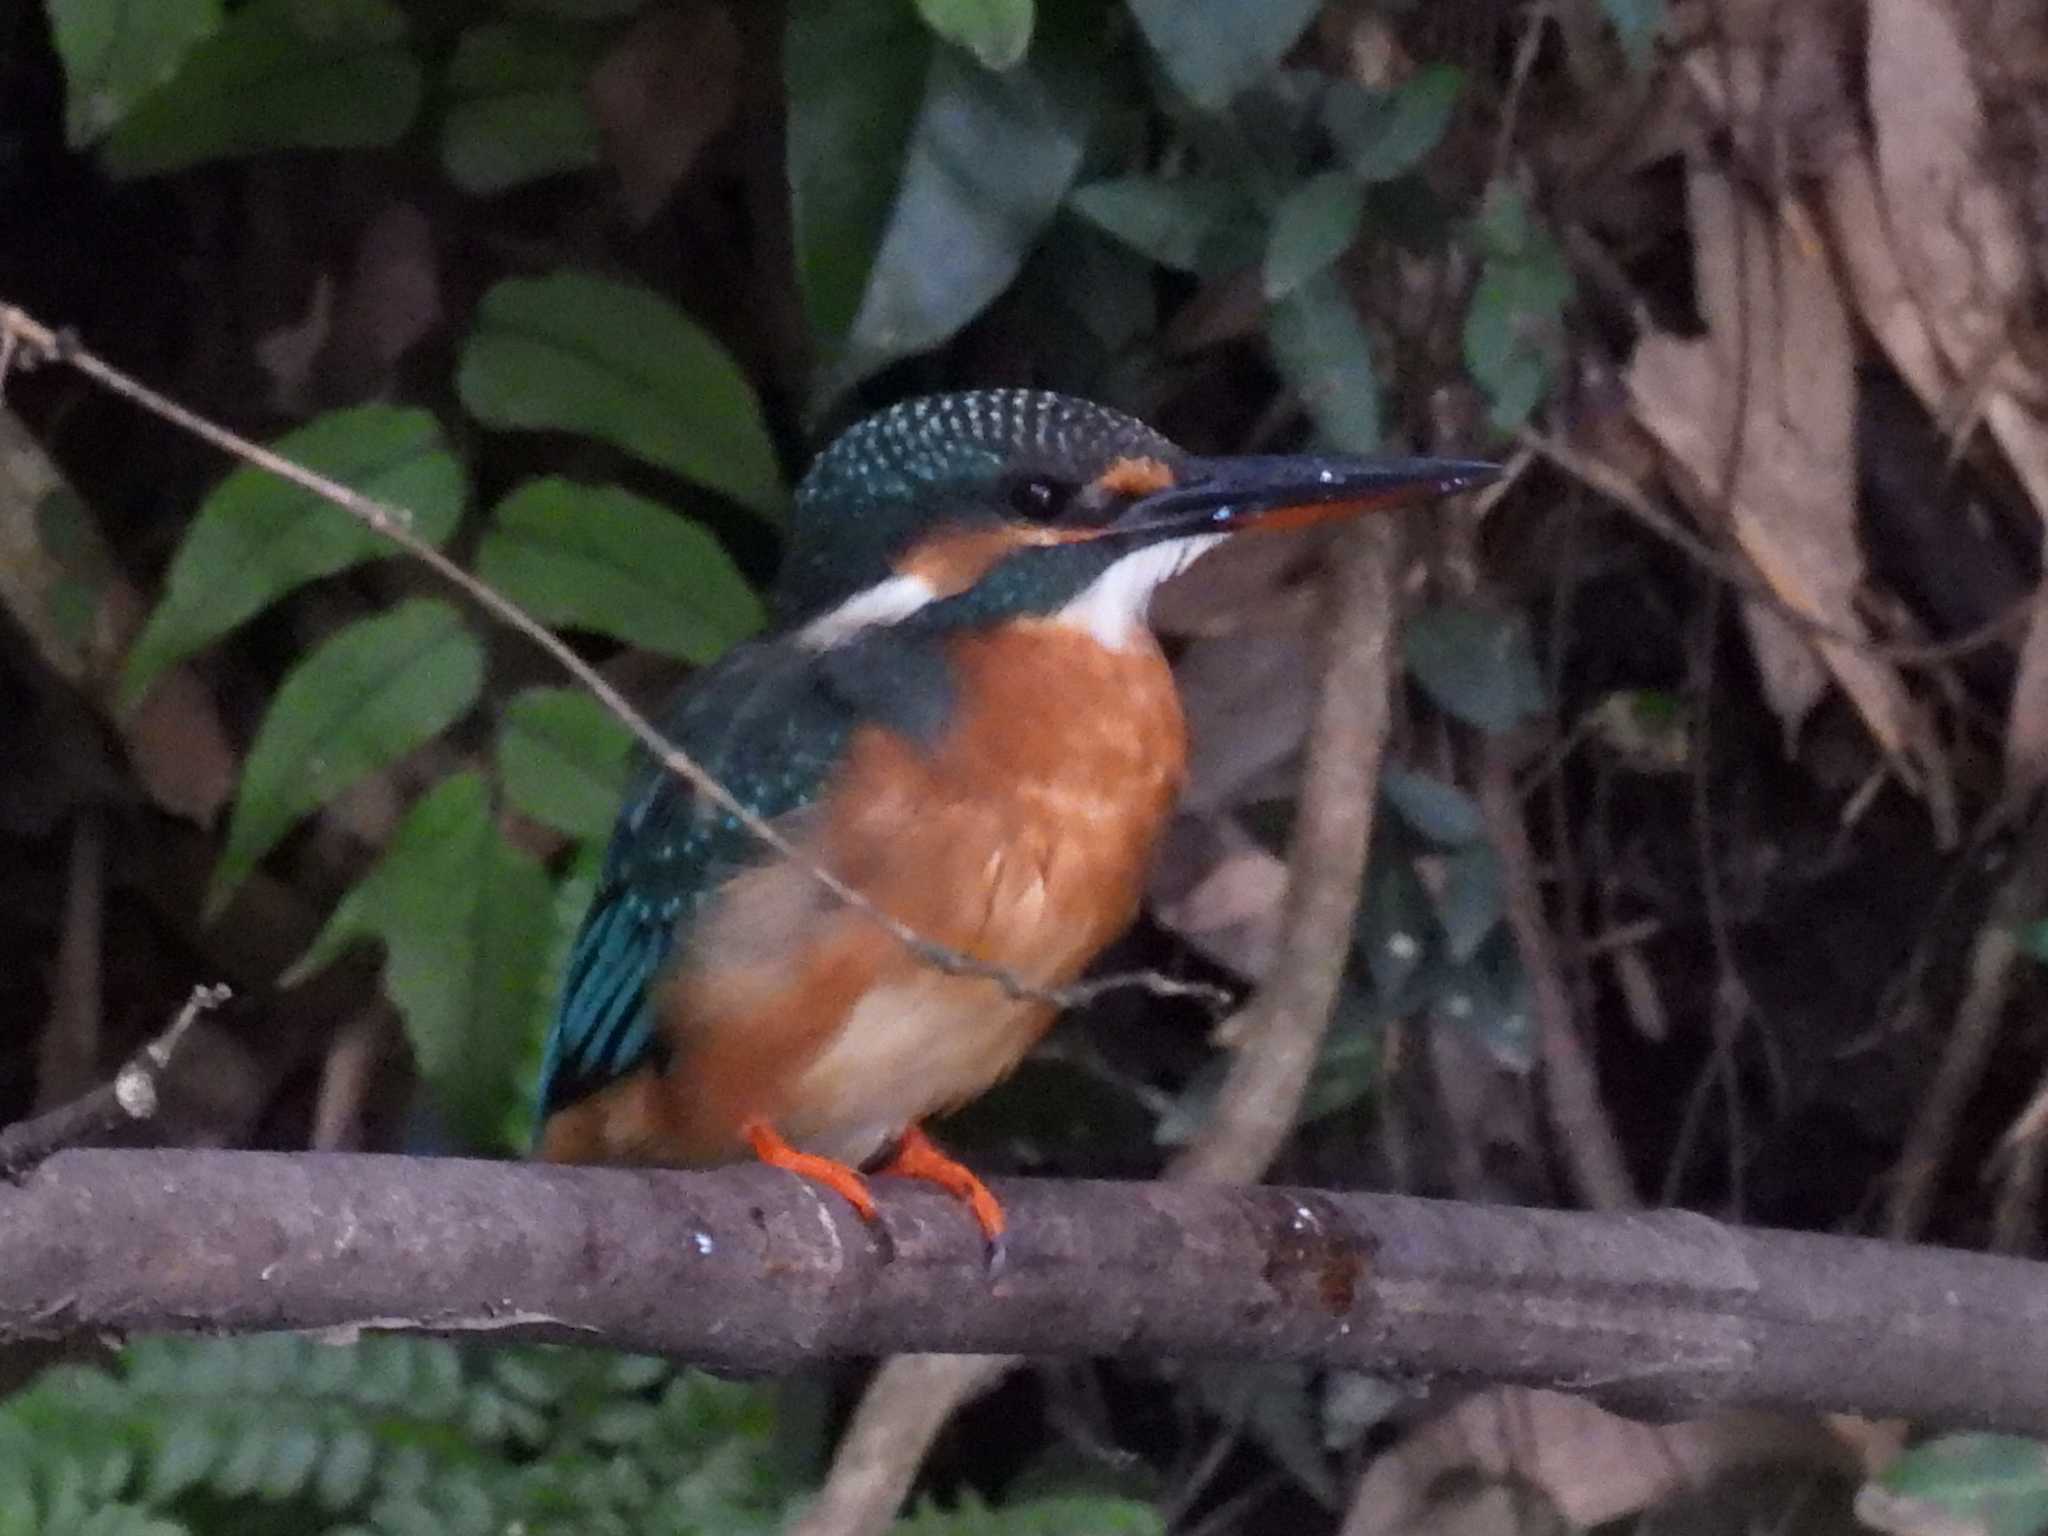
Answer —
750 1269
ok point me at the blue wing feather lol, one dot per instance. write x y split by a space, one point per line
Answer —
763 721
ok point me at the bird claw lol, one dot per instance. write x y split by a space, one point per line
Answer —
916 1157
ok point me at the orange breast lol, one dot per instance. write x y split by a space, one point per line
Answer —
1022 839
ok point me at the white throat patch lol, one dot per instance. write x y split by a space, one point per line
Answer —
1112 606
885 603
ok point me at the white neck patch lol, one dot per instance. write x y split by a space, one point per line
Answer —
1112 606
887 602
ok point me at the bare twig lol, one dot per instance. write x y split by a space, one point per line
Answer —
1534 21
1666 1311
2016 1218
129 1099
1571 1087
1279 1032
1623 492
395 525
347 1074
1994 956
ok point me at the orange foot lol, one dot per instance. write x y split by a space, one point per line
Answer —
769 1146
918 1157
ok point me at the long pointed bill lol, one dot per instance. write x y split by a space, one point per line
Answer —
1278 491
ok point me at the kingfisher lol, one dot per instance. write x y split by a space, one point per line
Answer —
959 711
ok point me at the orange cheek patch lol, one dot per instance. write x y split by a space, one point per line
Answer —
951 562
1135 477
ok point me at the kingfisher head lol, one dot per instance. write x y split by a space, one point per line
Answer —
989 505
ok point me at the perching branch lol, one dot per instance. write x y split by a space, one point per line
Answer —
752 1269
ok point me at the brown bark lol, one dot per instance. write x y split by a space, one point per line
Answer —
752 1269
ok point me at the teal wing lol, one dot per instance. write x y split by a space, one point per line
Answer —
760 722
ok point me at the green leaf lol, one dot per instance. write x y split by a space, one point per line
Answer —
1393 926
278 74
1504 227
1651 730
115 52
1321 348
563 760
1441 812
1514 329
2034 939
365 697
854 79
1511 332
258 537
237 1474
1081 277
518 111
182 1460
990 159
1471 902
574 353
1311 229
294 1454
463 917
1636 24
1169 219
603 559
1982 1485
1214 49
1478 664
996 32
1488 998
1356 1401
344 1472
1350 1064
1384 134
1271 1400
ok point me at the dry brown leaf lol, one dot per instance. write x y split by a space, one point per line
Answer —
1957 238
1794 677
1859 236
179 748
352 332
391 300
1929 247
1221 892
61 586
1875 1443
660 96
1778 352
1593 1465
1490 1128
1247 698
1775 74
288 352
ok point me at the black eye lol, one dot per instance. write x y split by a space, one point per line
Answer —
1039 499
